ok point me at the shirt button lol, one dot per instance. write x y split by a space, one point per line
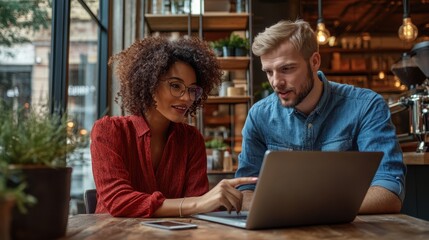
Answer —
309 125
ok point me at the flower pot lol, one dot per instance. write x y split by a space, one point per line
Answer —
218 51
217 163
6 206
228 51
265 93
240 51
47 219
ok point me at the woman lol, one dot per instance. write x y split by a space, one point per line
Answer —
150 163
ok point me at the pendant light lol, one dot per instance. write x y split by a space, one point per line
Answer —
322 33
407 31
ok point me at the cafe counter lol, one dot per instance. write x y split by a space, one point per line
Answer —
416 201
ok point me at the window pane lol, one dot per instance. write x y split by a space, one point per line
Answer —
82 92
25 46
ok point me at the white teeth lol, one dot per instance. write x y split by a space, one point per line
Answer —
181 108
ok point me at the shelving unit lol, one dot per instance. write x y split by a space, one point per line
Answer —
362 66
212 21
227 113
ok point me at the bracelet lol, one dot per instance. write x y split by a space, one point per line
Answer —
180 207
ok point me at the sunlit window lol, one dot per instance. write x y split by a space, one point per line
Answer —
25 47
82 91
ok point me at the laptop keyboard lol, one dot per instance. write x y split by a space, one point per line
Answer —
238 217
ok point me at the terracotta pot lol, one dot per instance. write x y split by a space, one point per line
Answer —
47 219
6 206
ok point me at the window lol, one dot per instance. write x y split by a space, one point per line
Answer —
86 89
66 65
25 47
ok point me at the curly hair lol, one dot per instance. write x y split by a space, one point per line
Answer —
140 67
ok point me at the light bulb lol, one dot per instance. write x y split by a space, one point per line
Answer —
381 75
407 31
322 33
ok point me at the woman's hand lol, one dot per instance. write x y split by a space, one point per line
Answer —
224 194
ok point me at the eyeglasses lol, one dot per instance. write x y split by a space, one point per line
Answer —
178 89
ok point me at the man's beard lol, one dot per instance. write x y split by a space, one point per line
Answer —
306 89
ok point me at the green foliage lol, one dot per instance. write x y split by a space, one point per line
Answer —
38 137
16 193
238 42
266 86
216 144
220 43
20 17
234 41
30 136
216 44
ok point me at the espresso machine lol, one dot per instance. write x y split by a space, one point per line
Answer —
413 70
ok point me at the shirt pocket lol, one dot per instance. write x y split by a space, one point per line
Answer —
340 145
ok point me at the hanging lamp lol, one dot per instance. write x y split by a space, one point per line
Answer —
407 31
322 33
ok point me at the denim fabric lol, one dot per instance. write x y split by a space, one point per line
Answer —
346 118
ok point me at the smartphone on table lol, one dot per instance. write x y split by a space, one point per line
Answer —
169 224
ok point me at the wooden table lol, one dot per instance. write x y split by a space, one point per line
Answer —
105 227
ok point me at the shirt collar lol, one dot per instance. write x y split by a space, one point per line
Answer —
140 124
323 99
142 127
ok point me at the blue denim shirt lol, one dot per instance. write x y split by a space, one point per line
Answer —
346 118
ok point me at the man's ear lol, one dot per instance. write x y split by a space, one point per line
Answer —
315 61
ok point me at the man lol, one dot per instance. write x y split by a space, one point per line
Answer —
308 112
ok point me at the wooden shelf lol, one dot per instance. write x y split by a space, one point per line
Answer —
363 50
218 120
212 21
227 100
386 89
353 72
234 63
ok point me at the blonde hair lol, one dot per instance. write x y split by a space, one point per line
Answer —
298 33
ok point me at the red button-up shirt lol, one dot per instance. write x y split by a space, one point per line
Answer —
127 184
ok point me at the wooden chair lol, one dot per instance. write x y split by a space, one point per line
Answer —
90 200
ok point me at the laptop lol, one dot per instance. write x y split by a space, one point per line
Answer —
297 188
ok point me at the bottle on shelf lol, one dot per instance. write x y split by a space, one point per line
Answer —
227 161
157 6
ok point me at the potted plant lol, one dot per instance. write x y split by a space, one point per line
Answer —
9 197
266 89
216 148
35 144
217 47
227 48
240 45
